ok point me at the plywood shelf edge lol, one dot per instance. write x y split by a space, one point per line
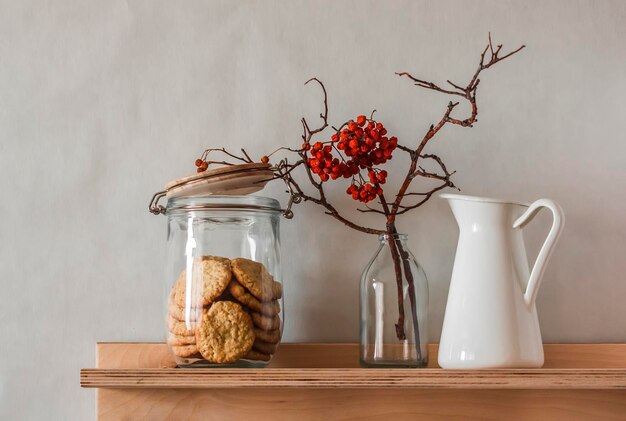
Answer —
333 366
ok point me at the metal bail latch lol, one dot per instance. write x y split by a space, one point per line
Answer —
293 198
154 206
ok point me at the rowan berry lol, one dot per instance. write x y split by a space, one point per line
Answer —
198 162
365 145
265 159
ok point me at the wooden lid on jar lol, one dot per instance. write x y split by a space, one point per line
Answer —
229 180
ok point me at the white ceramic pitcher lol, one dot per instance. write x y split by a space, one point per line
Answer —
491 319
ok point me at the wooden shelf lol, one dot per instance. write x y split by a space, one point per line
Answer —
143 375
355 378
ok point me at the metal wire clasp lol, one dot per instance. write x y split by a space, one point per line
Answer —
154 206
293 198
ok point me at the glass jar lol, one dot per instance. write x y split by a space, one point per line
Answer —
394 307
223 284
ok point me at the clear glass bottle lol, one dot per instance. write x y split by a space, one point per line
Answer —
223 287
394 307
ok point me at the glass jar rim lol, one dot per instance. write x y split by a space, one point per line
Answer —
396 236
222 203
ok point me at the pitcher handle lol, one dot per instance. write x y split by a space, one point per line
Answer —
548 246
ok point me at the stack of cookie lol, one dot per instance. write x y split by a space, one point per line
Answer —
231 311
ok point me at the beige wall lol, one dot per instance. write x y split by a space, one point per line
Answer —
103 102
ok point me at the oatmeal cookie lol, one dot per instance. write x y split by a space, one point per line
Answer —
264 322
178 340
270 308
210 277
178 313
277 290
255 277
225 333
184 351
271 336
181 328
218 258
264 347
257 356
179 291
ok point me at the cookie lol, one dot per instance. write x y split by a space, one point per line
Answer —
178 340
270 308
225 333
172 309
257 356
181 328
172 296
264 322
277 290
255 277
210 277
184 351
271 336
264 347
178 313
179 295
218 258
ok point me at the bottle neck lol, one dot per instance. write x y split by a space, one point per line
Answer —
386 238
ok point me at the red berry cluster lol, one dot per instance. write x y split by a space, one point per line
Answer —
325 165
366 145
202 165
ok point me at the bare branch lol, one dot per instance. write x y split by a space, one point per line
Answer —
456 86
243 151
469 93
244 158
405 209
405 149
324 115
428 85
370 210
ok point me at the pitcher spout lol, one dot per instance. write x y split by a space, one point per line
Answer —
477 213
